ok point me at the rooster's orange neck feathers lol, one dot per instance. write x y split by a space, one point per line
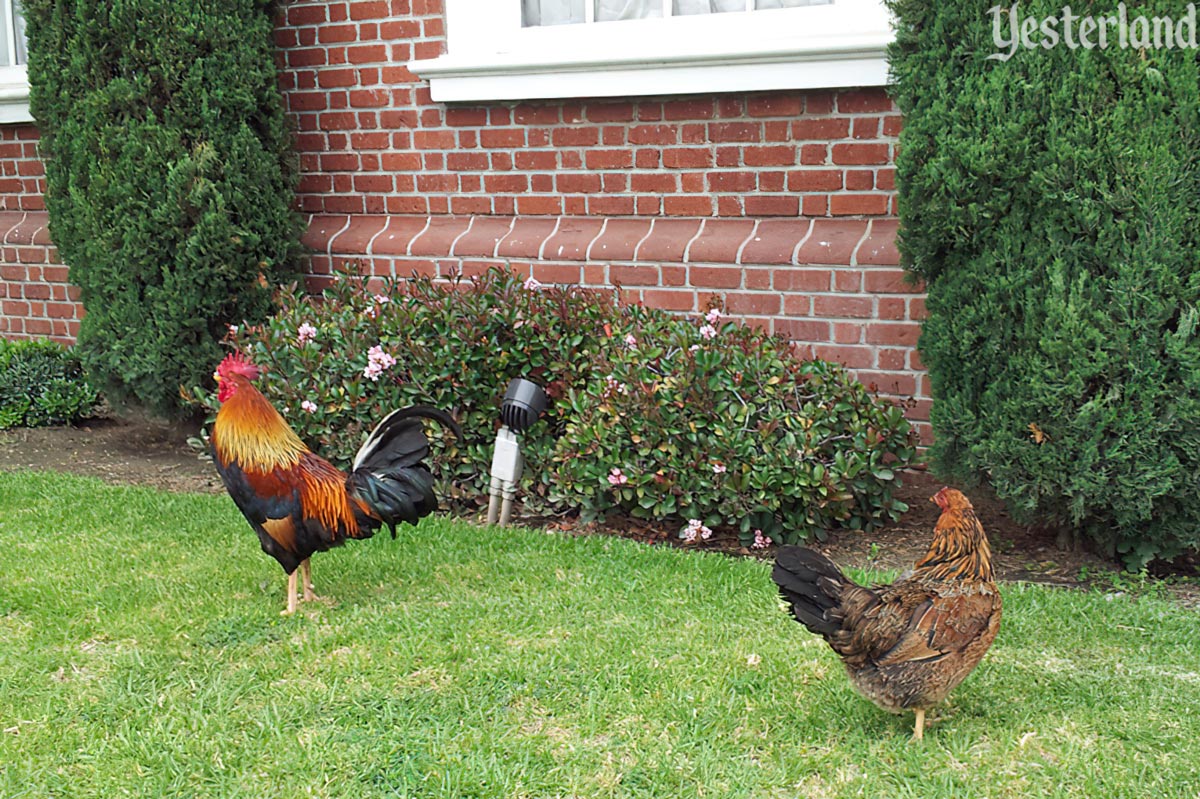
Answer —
252 433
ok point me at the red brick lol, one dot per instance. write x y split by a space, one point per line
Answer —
502 137
801 329
458 117
439 236
687 158
860 153
610 112
866 128
859 180
758 304
772 205
801 279
844 307
687 206
668 240
653 134
820 129
396 237
565 274
688 109
879 247
609 159
620 239
803 180
776 155
775 241
732 181
734 132
354 238
719 241
633 275
482 237
858 204
526 238
895 334
540 206
577 183
775 105
831 242
863 101
814 154
571 240
850 357
669 300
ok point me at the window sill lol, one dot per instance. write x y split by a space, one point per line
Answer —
830 63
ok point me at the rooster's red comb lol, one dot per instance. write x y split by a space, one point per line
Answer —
236 363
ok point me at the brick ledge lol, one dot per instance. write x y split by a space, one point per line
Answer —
760 242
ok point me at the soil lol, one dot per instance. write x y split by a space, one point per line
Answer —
147 453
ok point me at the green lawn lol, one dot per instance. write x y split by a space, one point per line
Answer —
142 654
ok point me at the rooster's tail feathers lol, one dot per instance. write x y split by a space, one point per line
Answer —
399 440
811 584
402 495
388 474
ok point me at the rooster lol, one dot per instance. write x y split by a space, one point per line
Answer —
298 502
908 644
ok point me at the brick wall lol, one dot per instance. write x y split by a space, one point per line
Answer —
780 205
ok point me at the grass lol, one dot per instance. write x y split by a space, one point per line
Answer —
142 654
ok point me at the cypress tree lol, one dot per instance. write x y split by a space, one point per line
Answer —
169 177
1051 203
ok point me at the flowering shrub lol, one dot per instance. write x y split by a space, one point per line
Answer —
653 414
716 423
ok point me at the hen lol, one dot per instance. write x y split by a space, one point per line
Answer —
298 502
908 644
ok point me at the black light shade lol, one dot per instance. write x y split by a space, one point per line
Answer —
523 404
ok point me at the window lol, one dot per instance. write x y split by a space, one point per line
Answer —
530 49
14 80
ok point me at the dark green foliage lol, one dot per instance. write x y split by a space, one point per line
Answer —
1051 202
809 449
169 178
41 383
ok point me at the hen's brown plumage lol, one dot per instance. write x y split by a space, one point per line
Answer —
908 644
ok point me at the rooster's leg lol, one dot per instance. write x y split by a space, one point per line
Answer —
919 728
306 577
291 596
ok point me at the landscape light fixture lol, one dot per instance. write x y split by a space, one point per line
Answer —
523 404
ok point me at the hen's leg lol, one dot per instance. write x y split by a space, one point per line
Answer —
291 596
306 569
919 729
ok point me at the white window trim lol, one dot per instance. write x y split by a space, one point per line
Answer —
14 95
491 57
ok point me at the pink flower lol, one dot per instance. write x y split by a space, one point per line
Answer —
718 468
377 361
713 316
760 541
308 405
695 529
708 332
305 333
630 340
693 348
617 477
532 284
233 330
381 300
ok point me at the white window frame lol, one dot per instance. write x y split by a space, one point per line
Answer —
491 57
14 80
